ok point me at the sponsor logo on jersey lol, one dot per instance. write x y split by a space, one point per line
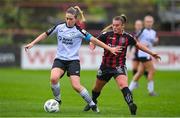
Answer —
65 40
111 45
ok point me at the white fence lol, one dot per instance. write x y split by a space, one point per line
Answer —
42 56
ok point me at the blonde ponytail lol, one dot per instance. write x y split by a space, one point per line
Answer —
81 13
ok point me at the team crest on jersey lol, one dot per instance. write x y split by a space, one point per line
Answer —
131 35
60 30
119 69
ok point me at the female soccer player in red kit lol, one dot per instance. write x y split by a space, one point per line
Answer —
114 65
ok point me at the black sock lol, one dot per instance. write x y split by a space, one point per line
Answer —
146 74
134 71
127 95
95 95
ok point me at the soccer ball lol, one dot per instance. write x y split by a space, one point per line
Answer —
51 106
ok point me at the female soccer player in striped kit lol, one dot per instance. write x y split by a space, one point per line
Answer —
69 37
114 65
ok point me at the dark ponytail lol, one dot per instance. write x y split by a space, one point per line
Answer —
122 18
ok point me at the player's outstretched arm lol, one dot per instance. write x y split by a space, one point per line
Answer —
113 50
39 38
145 49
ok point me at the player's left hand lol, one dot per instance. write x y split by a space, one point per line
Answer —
28 46
155 55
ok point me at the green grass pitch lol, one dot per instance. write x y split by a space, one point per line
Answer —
23 93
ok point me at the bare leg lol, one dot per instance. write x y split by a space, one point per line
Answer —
135 64
151 70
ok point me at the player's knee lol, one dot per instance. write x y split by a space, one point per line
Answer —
134 71
54 80
137 76
77 87
97 89
123 85
140 73
152 71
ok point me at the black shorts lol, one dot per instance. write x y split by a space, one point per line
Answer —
135 58
106 73
72 67
144 59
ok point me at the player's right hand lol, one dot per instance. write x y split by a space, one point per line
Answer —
156 56
92 46
28 46
117 49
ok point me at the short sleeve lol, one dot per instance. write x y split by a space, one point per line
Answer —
155 37
102 37
132 40
85 35
52 30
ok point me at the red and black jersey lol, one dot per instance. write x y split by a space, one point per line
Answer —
112 39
